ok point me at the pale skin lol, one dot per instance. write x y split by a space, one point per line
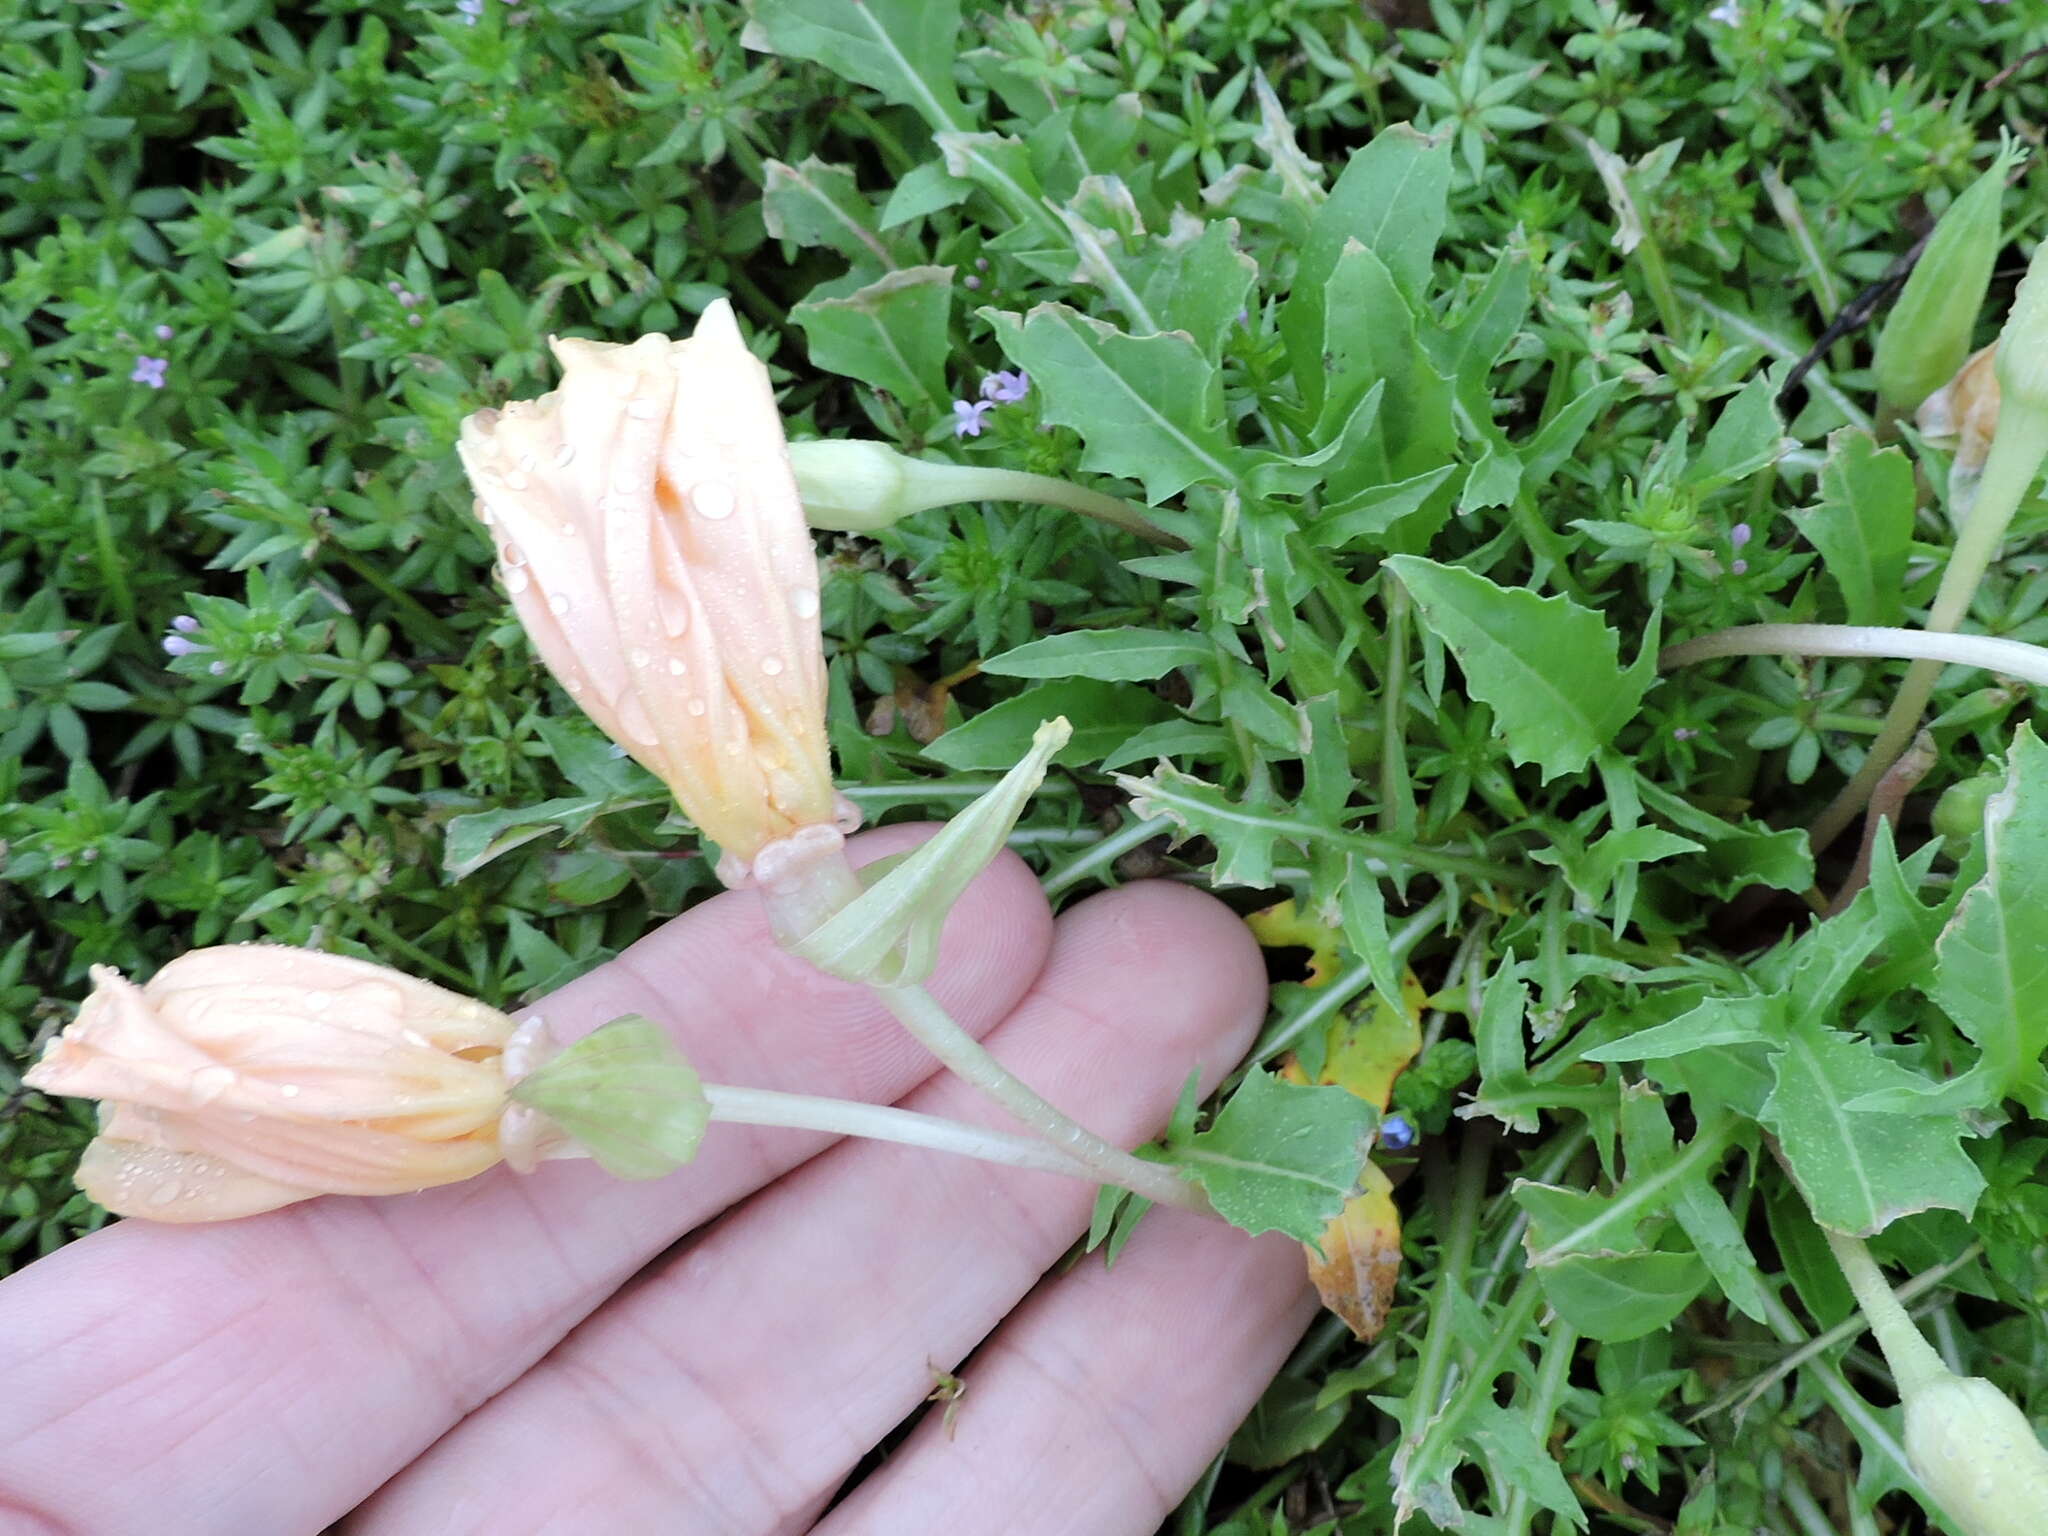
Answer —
566 1353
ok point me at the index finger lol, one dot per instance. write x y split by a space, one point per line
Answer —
267 1374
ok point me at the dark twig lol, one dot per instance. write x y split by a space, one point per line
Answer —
1854 316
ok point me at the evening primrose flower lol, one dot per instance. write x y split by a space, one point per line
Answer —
650 536
246 1077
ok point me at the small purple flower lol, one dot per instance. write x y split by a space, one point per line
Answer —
1004 387
1738 536
471 10
164 333
1684 732
179 642
150 371
1728 13
415 320
970 282
1397 1134
969 415
217 668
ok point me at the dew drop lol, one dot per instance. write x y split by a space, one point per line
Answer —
166 1192
696 707
414 1037
289 1090
319 1001
484 514
209 1083
643 409
567 530
529 462
516 579
558 602
516 480
772 665
713 499
803 602
513 556
639 657
563 455
575 686
676 667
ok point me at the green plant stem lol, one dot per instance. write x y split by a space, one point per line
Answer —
1397 795
1913 1360
2014 658
921 1014
1458 1219
987 483
1553 1375
2017 448
878 1122
1134 834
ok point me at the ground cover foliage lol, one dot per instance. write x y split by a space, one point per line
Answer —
1453 342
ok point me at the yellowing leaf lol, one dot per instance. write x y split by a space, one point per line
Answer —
1284 926
1361 1258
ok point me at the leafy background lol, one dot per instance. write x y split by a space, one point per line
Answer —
1459 420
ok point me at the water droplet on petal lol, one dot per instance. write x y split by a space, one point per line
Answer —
639 657
558 602
209 1083
529 462
166 1192
414 1037
289 1090
563 455
516 480
713 499
676 667
319 1001
484 514
772 665
803 602
513 556
516 580
643 409
696 707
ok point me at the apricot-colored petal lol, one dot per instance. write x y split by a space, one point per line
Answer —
132 1178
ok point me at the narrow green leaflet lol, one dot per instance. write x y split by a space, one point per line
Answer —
891 334
1746 437
1517 1461
1860 1171
1547 666
1991 967
1617 1299
1108 655
1149 408
1281 1157
625 1092
1648 1139
1106 717
1863 525
903 48
1391 199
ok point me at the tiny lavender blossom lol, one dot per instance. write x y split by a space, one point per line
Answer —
164 333
969 416
1004 387
1738 536
150 371
1728 13
471 10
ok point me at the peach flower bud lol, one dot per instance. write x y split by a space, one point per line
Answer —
248 1076
651 538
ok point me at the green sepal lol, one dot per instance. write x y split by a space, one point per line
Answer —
624 1093
889 935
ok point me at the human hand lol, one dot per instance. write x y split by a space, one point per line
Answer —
543 1354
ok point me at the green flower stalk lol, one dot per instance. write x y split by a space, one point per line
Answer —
2017 449
852 485
1967 1442
1928 333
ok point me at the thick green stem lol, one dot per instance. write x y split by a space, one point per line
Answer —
965 1057
990 484
878 1122
2014 658
2017 448
1913 1360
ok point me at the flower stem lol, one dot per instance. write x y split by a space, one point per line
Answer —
1021 485
2014 658
962 1054
1913 1360
2017 448
877 1122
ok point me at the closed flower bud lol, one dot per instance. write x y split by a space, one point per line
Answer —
650 536
246 1077
1977 1454
854 485
1928 333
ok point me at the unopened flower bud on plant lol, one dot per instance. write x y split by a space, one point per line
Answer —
1928 333
2021 363
651 538
246 1077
